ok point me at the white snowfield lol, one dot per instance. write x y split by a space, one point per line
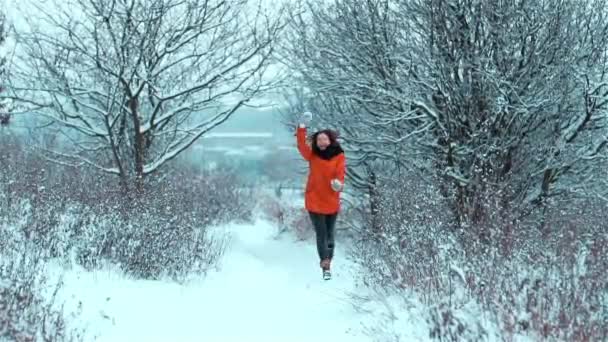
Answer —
266 289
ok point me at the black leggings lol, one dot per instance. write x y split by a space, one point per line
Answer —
325 229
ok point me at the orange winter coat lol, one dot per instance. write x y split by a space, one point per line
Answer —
320 197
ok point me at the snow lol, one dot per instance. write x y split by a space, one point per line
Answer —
267 288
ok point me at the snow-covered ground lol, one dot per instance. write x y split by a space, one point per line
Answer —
266 289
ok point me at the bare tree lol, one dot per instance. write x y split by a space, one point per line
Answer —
503 100
133 83
5 115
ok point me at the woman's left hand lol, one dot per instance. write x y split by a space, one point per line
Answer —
336 185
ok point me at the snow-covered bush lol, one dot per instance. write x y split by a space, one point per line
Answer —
288 216
544 281
27 312
410 238
84 217
552 284
459 322
149 247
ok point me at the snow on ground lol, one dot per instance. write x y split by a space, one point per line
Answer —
266 289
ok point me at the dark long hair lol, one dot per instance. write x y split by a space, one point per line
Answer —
332 150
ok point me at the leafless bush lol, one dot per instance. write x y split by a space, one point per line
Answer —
553 279
145 245
287 217
26 312
84 217
411 238
452 323
540 280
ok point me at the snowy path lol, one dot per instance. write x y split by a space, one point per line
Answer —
266 290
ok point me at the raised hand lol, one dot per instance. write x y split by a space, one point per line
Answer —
305 118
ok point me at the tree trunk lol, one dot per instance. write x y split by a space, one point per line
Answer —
374 201
542 200
140 145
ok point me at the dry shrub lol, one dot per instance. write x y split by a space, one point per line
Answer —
27 313
83 216
288 218
542 276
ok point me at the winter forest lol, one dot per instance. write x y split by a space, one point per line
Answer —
151 188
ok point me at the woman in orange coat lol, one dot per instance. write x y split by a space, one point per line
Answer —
325 182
